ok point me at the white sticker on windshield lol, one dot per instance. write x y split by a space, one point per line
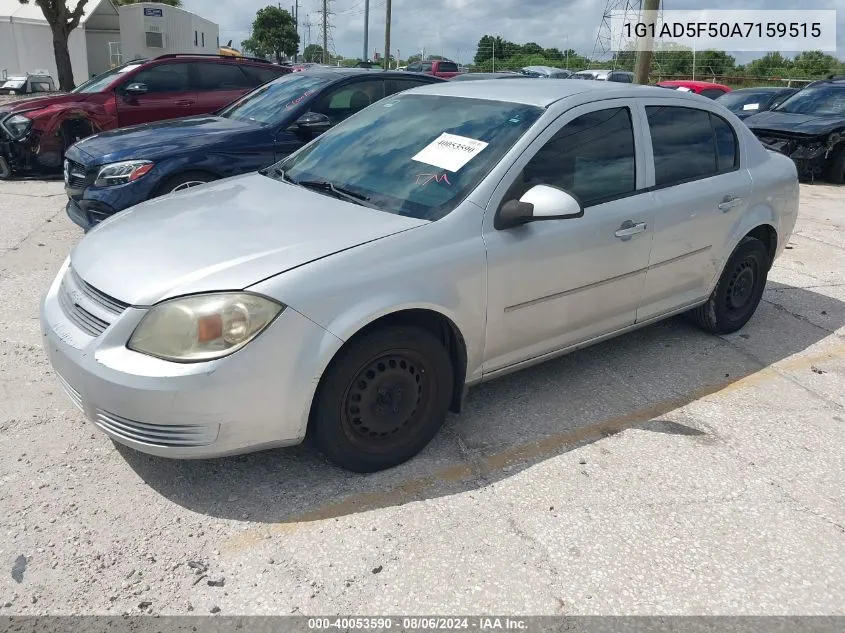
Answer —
684 89
450 151
751 106
126 69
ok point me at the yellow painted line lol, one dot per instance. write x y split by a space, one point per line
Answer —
532 451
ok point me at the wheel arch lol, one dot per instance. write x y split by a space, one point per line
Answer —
433 321
181 171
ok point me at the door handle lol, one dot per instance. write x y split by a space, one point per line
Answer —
185 102
629 228
729 202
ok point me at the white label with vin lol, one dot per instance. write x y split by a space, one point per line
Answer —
450 152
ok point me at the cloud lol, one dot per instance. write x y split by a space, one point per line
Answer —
453 27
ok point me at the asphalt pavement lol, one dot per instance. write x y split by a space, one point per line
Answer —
664 472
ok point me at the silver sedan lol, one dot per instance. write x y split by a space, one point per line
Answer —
438 239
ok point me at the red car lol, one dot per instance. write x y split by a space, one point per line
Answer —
703 88
439 68
34 133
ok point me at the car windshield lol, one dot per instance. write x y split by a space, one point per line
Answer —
737 101
272 102
819 100
412 155
100 82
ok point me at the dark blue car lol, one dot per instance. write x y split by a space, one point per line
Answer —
115 170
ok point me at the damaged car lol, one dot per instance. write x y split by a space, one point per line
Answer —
34 133
809 127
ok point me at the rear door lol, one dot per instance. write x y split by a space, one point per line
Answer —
218 84
700 190
169 95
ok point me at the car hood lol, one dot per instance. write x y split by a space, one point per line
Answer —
36 103
226 235
807 124
151 141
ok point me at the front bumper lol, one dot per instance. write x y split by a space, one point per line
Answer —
87 213
259 397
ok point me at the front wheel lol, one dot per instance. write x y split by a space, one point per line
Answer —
738 291
383 399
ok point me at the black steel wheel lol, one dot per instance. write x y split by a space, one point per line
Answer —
382 399
738 291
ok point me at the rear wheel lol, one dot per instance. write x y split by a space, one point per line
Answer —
383 399
184 181
738 291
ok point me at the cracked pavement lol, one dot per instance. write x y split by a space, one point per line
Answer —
664 472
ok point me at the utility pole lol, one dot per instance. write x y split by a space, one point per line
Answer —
295 13
387 36
325 29
366 31
644 44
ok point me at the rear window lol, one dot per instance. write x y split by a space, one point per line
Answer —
448 67
221 76
260 76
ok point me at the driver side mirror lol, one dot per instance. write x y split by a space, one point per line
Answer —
136 88
539 203
314 123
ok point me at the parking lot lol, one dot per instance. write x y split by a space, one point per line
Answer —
664 472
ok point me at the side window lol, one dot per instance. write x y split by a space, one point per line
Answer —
259 76
592 157
414 68
448 67
400 85
221 76
164 78
346 100
682 140
727 156
712 93
426 68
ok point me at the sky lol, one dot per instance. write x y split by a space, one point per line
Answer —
452 28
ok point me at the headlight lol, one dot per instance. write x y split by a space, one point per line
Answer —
122 172
17 125
202 327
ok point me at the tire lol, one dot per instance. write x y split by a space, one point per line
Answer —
836 169
362 419
185 181
738 291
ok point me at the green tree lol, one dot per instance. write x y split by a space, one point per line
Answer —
62 21
815 64
716 63
769 65
312 53
532 48
273 33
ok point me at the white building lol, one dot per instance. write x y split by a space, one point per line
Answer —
26 40
150 29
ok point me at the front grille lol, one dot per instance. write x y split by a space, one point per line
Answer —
89 309
76 175
184 435
72 393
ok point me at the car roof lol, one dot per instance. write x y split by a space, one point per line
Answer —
764 89
690 82
351 72
542 93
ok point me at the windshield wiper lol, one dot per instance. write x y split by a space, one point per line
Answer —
340 192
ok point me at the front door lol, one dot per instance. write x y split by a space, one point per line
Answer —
169 95
555 283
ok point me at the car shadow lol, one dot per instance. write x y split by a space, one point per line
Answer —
636 381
